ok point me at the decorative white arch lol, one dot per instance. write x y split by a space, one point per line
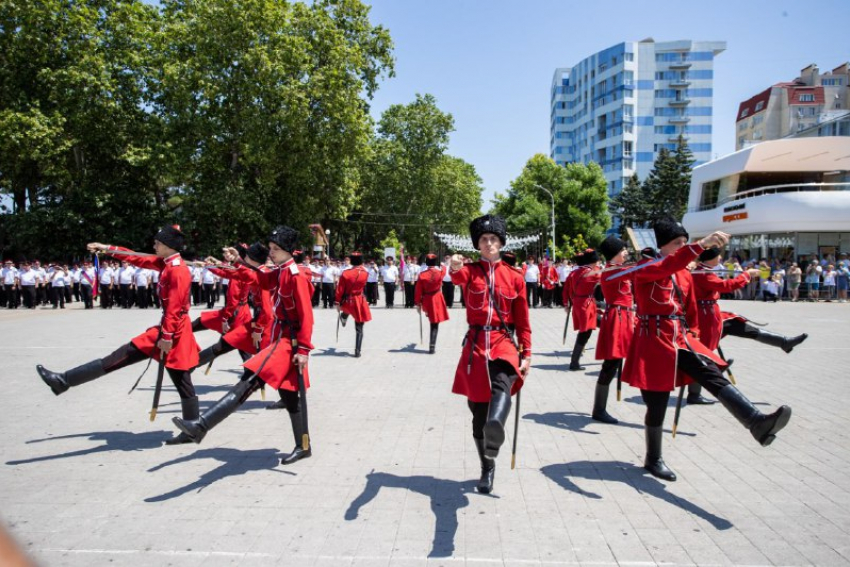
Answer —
462 242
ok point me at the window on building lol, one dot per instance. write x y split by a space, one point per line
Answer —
758 119
627 149
710 191
759 105
745 112
807 97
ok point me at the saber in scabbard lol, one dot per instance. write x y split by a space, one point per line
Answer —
338 319
632 270
620 381
728 368
209 367
678 409
516 429
567 323
421 337
160 373
302 394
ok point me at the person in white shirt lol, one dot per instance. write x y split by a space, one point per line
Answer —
330 275
532 282
142 278
410 275
346 265
87 279
372 283
126 277
28 280
155 287
197 274
316 280
563 270
58 282
389 273
106 285
74 288
9 279
208 294
41 285
448 286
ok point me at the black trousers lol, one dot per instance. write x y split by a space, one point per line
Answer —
209 295
389 294
704 372
317 293
142 296
449 294
28 293
126 296
128 354
546 297
558 295
68 294
372 293
77 291
502 378
609 371
12 296
409 294
741 329
532 293
41 294
328 298
105 294
196 293
57 296
86 294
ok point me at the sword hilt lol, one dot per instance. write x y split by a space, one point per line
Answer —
305 441
209 367
675 426
153 414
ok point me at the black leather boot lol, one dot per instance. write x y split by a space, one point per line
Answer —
488 468
600 403
191 412
762 427
578 349
654 463
774 339
278 404
207 355
197 429
358 328
435 328
343 318
60 381
494 428
695 396
298 452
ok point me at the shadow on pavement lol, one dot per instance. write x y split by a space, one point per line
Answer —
333 352
233 463
410 348
576 422
113 441
446 496
627 473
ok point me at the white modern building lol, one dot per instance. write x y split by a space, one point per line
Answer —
620 106
778 199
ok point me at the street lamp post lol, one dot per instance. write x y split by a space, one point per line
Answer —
553 219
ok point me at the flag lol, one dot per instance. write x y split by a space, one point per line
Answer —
401 262
96 281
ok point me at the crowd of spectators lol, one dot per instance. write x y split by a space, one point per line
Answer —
812 278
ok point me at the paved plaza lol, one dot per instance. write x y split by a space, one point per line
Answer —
85 480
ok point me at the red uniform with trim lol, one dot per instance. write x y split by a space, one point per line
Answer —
708 288
349 294
618 322
293 312
487 341
578 291
240 337
235 310
175 284
429 295
660 331
548 277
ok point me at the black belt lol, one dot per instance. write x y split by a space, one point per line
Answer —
286 323
489 328
621 308
477 329
706 302
658 317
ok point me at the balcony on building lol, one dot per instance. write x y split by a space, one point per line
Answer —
680 64
680 83
679 120
680 101
675 138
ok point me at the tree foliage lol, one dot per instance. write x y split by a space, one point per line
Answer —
581 201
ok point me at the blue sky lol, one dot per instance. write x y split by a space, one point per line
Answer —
490 64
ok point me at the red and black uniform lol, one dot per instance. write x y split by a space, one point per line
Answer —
548 281
429 298
349 296
708 287
235 311
579 294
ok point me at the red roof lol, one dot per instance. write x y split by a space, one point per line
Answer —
794 94
748 107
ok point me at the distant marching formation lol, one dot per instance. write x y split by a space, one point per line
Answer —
660 330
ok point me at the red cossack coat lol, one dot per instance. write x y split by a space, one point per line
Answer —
429 295
578 291
618 322
662 321
293 313
175 284
548 277
708 288
241 337
472 378
349 294
235 310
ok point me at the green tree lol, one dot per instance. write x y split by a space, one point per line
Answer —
581 200
669 182
411 183
632 205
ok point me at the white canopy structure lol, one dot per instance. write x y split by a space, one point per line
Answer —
462 242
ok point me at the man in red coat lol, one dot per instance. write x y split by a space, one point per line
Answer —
615 332
283 363
350 300
172 337
578 295
666 352
428 297
492 366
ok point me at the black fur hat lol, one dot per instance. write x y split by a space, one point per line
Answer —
356 258
588 257
258 252
298 256
611 246
241 248
709 254
492 224
509 258
285 237
668 229
431 260
171 236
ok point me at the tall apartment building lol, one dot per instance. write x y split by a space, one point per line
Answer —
620 106
813 104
